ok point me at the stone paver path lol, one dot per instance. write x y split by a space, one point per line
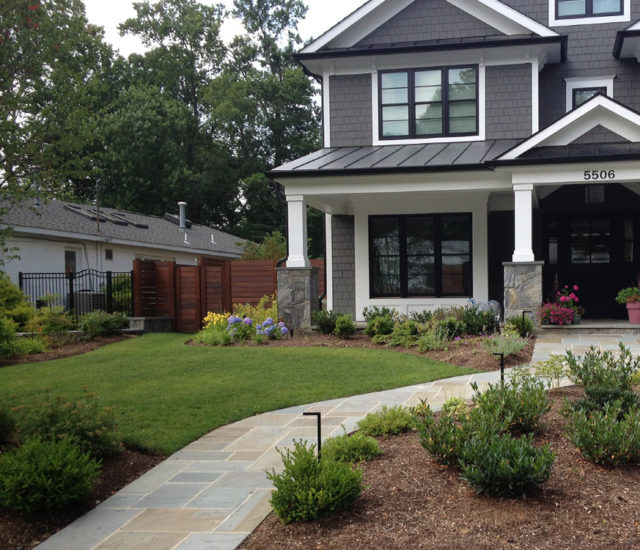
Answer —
214 492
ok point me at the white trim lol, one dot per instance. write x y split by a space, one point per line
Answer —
599 110
553 22
634 27
328 259
535 96
358 24
587 82
326 109
444 139
502 17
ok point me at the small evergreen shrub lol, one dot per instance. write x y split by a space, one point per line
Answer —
52 321
450 328
14 304
91 428
608 437
552 370
456 407
505 466
345 327
380 325
404 334
508 343
45 475
421 317
8 338
433 341
518 404
7 424
351 448
477 321
442 438
101 323
516 324
603 368
325 320
371 312
381 339
310 489
387 421
29 345
598 397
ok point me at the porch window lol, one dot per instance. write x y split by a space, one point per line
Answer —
590 241
587 8
420 255
432 102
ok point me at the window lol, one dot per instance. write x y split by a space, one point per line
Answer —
421 103
580 95
590 241
421 255
566 9
69 261
108 253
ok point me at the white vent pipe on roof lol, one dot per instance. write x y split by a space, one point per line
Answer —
183 216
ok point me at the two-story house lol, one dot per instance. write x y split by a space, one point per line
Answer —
474 148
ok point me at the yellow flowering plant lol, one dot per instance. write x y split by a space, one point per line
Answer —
217 319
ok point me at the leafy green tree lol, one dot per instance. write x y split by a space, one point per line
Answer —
272 247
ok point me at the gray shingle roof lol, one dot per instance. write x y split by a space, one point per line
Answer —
160 232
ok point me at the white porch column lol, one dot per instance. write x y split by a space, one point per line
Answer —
297 231
523 195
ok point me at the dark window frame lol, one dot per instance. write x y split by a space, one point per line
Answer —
599 90
588 11
437 250
445 101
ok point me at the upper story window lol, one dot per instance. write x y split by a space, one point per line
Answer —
580 95
587 8
581 89
425 103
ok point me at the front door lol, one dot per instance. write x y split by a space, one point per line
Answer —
596 252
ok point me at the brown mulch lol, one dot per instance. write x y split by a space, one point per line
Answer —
66 351
22 532
413 502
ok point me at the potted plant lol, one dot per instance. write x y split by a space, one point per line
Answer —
631 297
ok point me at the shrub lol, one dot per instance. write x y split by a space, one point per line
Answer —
350 448
45 475
214 335
553 370
121 290
8 338
14 304
501 465
241 330
325 320
555 314
101 323
507 342
387 421
310 489
7 424
268 329
522 325
381 339
517 404
345 327
83 422
421 316
606 437
267 308
433 341
52 321
28 345
477 321
603 368
404 334
370 313
456 407
380 325
598 397
450 328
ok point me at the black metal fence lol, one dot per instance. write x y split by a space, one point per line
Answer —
82 291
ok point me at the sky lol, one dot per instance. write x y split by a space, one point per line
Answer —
322 15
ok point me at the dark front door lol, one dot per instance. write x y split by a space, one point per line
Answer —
595 251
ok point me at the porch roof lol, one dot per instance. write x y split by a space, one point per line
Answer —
381 159
577 152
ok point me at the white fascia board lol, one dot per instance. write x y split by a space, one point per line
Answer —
359 24
36 232
326 109
502 17
599 110
634 27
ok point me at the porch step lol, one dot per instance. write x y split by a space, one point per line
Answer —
587 327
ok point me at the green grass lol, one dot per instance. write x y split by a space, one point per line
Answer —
167 394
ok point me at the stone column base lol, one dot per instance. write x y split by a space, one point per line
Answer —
522 288
297 295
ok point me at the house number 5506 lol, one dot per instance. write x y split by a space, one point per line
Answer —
599 174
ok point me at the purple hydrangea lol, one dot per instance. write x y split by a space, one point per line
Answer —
268 321
281 324
233 320
284 330
247 321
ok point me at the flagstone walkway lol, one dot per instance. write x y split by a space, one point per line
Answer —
214 492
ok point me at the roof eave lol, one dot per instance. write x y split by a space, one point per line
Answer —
620 37
564 160
277 174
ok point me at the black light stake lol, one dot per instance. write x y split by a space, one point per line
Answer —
523 334
319 429
501 355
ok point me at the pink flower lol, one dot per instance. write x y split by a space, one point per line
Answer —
575 287
563 298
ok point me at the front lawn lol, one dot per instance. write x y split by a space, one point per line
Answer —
167 394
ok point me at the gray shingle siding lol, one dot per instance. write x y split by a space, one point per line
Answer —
426 19
508 101
350 101
599 134
344 268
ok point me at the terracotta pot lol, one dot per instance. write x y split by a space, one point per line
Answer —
633 309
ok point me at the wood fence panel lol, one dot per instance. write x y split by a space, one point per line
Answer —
165 289
320 265
251 280
189 317
144 293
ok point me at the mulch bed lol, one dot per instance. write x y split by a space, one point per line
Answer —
20 532
413 502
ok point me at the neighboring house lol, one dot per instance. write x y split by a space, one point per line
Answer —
60 236
474 148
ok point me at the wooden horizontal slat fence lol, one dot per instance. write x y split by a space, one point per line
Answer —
187 293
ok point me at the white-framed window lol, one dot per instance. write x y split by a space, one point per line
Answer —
581 89
440 104
588 12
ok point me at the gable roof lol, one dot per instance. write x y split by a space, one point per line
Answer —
374 13
120 227
598 111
